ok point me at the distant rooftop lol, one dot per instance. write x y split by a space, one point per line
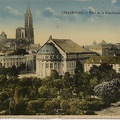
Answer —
103 59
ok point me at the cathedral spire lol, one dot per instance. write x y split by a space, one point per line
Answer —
29 30
28 9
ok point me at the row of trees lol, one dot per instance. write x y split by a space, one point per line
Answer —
12 71
70 94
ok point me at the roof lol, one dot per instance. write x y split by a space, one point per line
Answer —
103 59
69 46
11 56
3 33
48 49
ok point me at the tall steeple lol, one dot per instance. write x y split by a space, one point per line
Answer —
29 31
28 9
28 18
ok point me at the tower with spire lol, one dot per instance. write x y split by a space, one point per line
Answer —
25 35
29 30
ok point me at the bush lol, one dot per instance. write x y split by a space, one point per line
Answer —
35 105
20 108
94 104
89 112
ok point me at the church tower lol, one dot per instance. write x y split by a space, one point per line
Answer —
29 30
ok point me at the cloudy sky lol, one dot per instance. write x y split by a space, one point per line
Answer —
50 18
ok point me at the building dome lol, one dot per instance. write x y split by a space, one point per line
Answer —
48 49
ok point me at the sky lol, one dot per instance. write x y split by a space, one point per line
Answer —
82 21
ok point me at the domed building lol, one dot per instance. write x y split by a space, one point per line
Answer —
60 55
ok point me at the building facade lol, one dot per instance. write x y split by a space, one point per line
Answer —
60 55
17 60
98 60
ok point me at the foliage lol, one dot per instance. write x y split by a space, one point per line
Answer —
75 107
49 106
109 89
54 74
64 104
36 105
104 72
43 91
70 94
20 52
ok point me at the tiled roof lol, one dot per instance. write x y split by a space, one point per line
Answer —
69 46
103 59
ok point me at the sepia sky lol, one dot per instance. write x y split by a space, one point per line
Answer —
50 18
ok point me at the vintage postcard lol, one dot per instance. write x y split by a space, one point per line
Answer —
59 59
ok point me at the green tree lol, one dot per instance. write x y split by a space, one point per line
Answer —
64 104
36 83
48 81
3 70
75 107
54 74
12 71
68 81
20 52
35 105
49 106
22 67
77 78
26 81
104 72
3 80
58 83
3 97
79 68
44 91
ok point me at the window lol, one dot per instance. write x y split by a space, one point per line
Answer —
51 65
46 57
58 65
7 64
55 65
47 65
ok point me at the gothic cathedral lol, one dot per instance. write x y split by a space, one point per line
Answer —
25 36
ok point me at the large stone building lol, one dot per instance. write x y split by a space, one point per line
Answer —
98 60
60 55
17 60
26 33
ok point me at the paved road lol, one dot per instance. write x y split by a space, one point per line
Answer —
114 110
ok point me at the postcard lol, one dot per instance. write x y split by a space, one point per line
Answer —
59 59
